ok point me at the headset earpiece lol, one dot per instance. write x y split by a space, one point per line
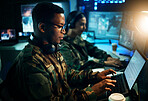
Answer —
51 48
48 48
72 22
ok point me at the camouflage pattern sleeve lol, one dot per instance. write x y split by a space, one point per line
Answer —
81 79
38 77
40 86
85 95
46 83
95 52
69 56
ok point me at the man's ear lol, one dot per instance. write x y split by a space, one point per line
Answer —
41 27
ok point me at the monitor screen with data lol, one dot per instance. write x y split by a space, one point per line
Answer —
127 31
105 24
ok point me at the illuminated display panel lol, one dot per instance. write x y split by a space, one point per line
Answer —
130 36
105 24
8 34
127 32
111 1
89 36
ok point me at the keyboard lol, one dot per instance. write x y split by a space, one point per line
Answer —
120 86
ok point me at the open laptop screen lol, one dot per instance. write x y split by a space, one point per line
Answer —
133 69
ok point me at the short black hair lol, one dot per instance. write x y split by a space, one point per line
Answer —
76 15
45 11
72 18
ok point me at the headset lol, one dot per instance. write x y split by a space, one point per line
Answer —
48 48
71 24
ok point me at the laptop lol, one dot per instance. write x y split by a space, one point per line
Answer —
127 79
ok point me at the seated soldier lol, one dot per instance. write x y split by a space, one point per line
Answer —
76 51
40 73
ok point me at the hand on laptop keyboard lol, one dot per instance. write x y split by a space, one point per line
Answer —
121 68
101 87
103 75
113 62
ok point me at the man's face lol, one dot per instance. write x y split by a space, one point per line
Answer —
54 32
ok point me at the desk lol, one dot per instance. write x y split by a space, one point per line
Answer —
17 47
120 50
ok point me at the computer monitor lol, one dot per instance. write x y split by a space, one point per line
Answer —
126 38
89 36
8 34
127 31
8 37
105 24
26 13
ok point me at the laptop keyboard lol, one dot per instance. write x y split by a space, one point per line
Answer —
119 85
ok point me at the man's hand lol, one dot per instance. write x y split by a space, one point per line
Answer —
101 87
113 62
102 75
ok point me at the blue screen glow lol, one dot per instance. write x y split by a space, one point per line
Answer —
110 1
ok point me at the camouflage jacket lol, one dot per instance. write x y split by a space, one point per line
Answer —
36 76
76 52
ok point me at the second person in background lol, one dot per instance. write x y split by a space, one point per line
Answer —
76 51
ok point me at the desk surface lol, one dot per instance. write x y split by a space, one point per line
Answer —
106 47
120 50
18 46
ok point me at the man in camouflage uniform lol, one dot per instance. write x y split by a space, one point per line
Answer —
39 73
76 51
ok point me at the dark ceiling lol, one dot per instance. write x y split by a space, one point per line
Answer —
10 14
